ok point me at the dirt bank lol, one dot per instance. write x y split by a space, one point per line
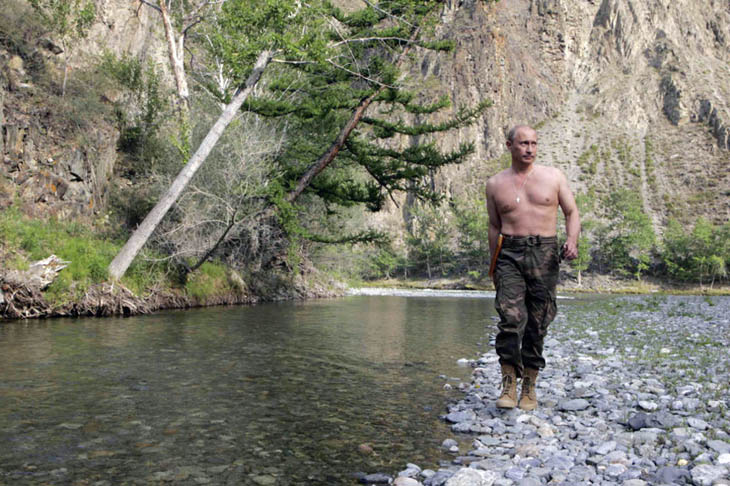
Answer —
23 299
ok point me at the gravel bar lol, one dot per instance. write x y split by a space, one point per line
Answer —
635 392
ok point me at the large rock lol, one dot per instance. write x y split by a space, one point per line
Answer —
472 477
705 474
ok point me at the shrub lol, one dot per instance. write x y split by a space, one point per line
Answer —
209 280
697 255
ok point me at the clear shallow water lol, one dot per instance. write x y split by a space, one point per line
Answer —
269 394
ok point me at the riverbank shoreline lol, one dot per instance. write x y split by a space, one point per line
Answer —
21 299
635 393
590 284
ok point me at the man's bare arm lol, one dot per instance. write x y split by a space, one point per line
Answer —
495 223
572 219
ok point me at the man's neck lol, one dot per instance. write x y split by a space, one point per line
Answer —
519 168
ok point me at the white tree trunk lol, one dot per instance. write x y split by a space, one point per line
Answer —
121 262
176 51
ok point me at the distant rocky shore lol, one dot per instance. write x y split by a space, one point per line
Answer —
590 283
636 392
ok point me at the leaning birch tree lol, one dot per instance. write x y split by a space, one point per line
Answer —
263 27
339 94
333 80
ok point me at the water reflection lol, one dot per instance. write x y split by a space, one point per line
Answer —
278 393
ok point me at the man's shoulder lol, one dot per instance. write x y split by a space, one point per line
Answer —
496 180
551 172
499 175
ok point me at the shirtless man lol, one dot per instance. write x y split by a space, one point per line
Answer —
523 207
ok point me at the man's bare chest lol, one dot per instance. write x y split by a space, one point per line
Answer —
535 197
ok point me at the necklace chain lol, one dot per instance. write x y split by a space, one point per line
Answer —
517 194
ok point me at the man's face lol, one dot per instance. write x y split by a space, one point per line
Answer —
524 146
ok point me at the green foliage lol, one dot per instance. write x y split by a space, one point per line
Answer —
320 77
245 28
386 262
649 161
68 18
291 218
697 255
428 242
141 108
72 116
472 224
583 261
17 25
628 238
210 280
319 96
440 242
588 160
586 202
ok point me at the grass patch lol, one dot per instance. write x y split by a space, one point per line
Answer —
209 280
26 240
36 239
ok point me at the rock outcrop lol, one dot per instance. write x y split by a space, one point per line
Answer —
643 85
626 94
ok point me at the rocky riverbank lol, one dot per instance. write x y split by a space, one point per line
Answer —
636 392
590 283
22 295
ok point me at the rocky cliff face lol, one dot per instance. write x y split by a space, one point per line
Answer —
625 93
57 167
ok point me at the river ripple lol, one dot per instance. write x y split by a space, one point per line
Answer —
269 394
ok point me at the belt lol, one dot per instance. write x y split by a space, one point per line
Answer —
532 240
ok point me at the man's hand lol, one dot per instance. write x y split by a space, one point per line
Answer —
570 250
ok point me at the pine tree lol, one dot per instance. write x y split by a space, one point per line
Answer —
353 113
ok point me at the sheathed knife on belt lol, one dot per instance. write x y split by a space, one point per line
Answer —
497 249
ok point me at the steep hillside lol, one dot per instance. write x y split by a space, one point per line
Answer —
626 94
60 149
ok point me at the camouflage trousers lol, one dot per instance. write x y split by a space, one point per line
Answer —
526 275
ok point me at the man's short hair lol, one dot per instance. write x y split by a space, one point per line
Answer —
513 131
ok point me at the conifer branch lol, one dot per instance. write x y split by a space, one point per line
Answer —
361 76
388 14
339 142
369 39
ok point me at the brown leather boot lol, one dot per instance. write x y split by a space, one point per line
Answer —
528 397
508 399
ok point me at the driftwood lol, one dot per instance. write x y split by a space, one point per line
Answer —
108 300
20 299
21 294
43 272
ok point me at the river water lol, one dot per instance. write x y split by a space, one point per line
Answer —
284 393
